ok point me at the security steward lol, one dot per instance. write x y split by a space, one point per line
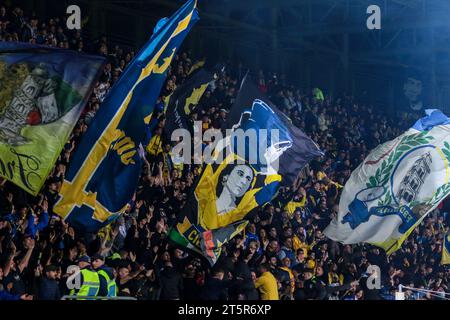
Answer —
89 279
108 286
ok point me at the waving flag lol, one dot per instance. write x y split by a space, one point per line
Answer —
42 93
303 148
105 168
446 250
185 99
396 186
243 176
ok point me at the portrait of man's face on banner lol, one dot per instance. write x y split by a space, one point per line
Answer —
412 91
234 182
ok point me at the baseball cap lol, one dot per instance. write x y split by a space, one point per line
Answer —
97 256
50 268
84 259
308 270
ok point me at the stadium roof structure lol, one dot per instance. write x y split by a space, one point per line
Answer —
297 36
325 26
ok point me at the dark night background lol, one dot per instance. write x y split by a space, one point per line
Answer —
321 43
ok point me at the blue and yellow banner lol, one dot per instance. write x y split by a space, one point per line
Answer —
43 91
297 153
446 250
237 181
106 166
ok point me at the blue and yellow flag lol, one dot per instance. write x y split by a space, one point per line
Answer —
42 93
237 181
105 168
446 250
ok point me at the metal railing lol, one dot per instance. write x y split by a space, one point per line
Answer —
69 297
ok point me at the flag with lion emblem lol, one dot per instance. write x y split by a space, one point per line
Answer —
396 186
42 93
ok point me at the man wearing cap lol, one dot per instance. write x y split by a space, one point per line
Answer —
89 279
222 120
313 288
48 285
108 286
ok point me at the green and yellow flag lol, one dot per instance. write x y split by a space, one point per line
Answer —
42 93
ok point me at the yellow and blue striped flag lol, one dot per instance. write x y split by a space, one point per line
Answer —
104 171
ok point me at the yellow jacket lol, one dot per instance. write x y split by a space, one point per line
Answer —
267 286
335 278
298 244
291 278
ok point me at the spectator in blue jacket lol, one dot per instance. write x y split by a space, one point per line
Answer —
35 223
250 234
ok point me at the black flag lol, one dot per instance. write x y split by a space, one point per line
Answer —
184 99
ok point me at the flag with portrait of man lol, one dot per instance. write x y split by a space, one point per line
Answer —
241 175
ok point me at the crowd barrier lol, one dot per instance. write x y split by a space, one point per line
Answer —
68 297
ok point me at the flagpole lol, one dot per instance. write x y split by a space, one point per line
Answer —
346 292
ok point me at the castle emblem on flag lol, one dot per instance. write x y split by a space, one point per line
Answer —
414 179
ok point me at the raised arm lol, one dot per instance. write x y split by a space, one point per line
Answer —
26 259
9 261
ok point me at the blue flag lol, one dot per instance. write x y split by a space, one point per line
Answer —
294 148
105 169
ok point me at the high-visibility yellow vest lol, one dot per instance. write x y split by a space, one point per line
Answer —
112 286
318 94
90 285
115 256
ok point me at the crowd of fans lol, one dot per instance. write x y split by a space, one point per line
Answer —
282 254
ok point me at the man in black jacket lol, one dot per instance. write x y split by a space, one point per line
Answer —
171 283
216 288
48 285
242 284
313 288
